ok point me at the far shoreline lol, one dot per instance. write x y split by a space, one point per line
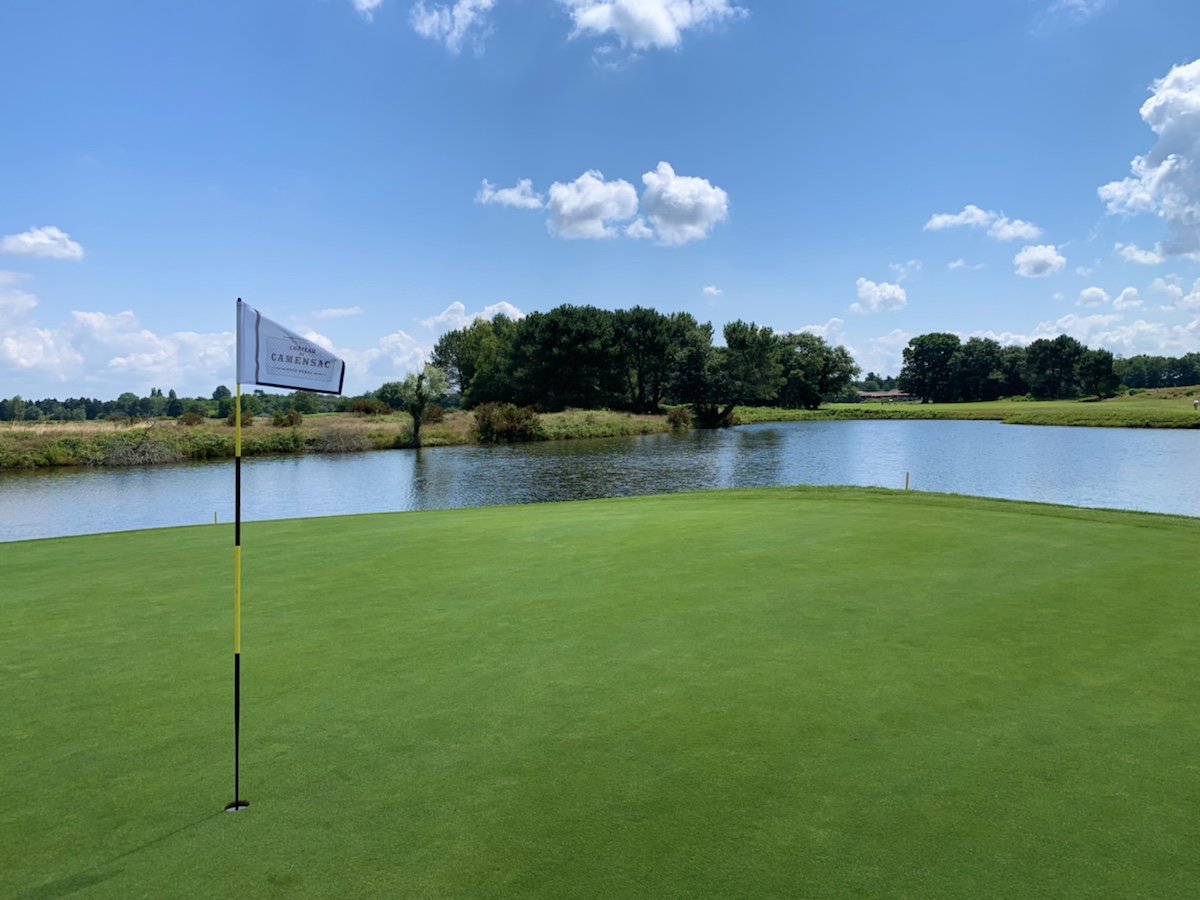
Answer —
118 443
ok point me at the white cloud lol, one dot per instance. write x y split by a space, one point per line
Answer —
1080 8
1135 254
963 264
367 8
682 208
1092 296
589 206
522 195
337 312
712 290
832 331
1005 229
451 25
884 354
1085 271
46 241
15 304
971 216
878 298
1039 261
999 226
455 315
639 230
904 270
641 24
1127 299
1189 301
1166 180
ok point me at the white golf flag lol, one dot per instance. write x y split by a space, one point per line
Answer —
274 356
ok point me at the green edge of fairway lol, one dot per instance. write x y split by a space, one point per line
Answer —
751 693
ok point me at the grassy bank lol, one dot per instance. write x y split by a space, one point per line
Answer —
774 693
163 441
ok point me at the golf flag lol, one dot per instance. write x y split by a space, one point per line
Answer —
271 355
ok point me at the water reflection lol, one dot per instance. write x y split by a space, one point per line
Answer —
1124 468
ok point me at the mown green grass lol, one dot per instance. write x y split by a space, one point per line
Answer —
1139 411
768 693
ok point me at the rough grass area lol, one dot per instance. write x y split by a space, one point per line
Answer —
748 694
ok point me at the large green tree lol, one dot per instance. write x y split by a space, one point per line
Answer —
1051 366
812 370
1096 375
567 357
927 370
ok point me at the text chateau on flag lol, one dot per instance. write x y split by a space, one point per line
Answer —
269 354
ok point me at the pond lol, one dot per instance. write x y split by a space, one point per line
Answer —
1139 469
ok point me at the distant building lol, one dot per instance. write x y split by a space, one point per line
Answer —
886 395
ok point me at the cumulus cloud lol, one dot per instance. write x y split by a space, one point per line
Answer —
521 195
589 206
682 208
1189 301
452 25
337 312
1092 296
15 304
712 290
882 354
1039 261
639 230
46 241
367 8
1127 299
1166 179
831 331
642 24
877 298
678 208
1135 254
455 315
999 226
963 264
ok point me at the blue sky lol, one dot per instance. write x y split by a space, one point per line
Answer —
374 172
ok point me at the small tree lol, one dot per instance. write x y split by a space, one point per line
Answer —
414 393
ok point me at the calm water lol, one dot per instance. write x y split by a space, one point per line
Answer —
1123 468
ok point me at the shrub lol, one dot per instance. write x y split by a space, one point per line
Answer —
366 407
340 440
289 419
190 419
247 419
433 413
496 422
679 418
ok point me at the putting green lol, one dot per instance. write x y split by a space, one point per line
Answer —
756 693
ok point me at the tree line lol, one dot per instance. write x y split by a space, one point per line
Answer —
642 360
939 367
638 359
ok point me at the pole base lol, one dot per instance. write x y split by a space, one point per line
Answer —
236 805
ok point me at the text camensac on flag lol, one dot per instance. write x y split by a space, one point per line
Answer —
269 354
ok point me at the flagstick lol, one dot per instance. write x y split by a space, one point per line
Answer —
237 803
